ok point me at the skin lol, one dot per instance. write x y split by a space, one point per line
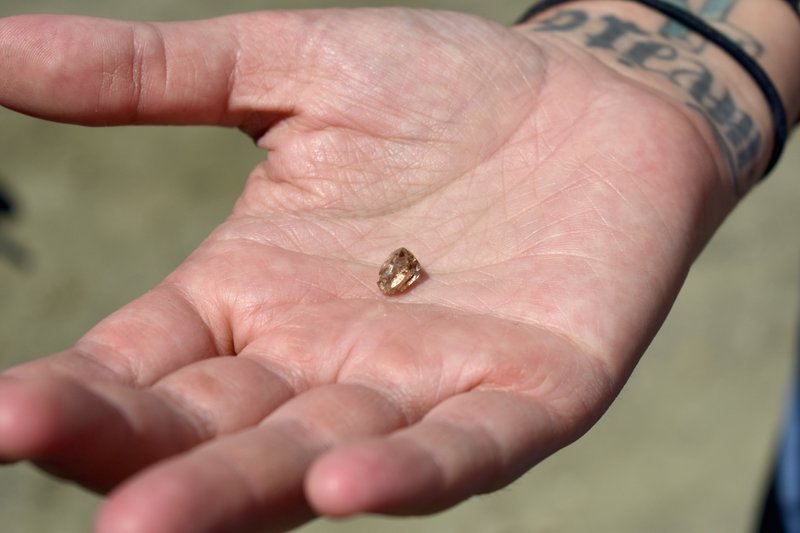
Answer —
555 199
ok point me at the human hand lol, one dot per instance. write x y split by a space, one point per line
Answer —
555 224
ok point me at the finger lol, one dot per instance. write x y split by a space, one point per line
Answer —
472 443
102 72
139 344
101 435
251 477
90 437
84 392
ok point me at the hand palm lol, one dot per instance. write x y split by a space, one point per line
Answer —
491 159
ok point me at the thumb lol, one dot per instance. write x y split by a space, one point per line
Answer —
103 72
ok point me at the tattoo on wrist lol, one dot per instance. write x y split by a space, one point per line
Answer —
675 55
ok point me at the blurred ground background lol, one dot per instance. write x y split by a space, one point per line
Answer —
105 214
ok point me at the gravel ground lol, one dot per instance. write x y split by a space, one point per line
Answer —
102 215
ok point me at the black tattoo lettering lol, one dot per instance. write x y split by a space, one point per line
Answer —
735 131
614 30
564 21
645 55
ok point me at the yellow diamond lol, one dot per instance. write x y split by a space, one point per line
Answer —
398 272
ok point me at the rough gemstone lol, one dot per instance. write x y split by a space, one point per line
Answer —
400 270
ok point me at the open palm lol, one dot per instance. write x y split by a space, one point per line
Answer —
268 379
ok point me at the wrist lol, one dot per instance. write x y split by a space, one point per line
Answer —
702 78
